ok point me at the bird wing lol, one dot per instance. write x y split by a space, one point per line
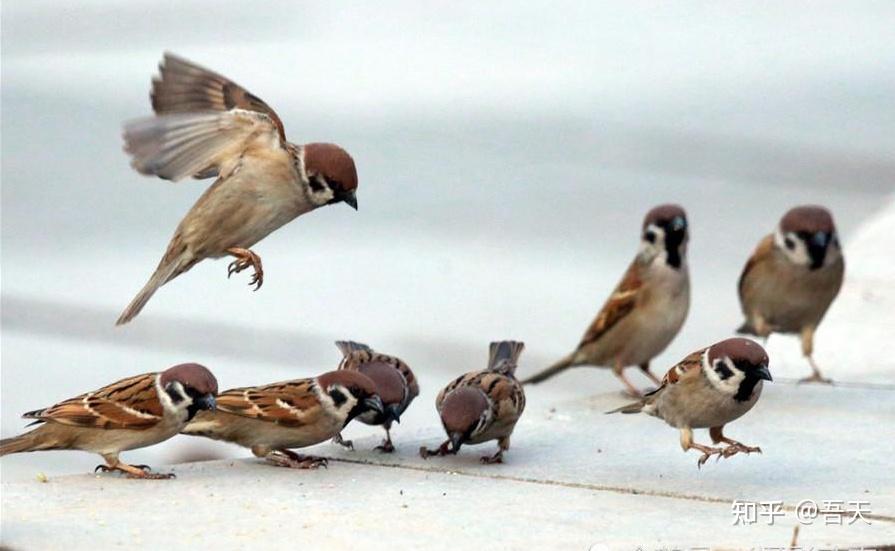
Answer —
131 403
289 403
200 144
184 87
504 391
685 371
620 304
762 251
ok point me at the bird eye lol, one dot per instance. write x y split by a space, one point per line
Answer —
650 236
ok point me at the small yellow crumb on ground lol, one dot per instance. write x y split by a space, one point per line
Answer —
41 477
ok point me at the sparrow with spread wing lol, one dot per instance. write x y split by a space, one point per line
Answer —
207 126
792 278
480 406
395 383
708 389
647 308
272 418
132 413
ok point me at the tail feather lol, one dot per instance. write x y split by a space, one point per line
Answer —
347 347
18 444
636 407
558 367
504 351
166 271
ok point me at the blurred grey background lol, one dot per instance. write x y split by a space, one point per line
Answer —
507 152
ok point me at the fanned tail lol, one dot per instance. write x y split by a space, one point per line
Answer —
558 367
18 444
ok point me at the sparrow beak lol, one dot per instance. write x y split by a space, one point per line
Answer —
817 249
207 402
393 412
350 199
374 403
456 441
762 373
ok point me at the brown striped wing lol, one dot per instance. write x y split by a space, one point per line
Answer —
289 403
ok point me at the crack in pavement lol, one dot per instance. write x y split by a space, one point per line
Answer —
581 485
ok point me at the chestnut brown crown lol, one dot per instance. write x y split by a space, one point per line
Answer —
333 163
809 219
191 375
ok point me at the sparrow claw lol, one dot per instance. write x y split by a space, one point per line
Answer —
290 460
346 443
385 447
245 258
492 459
707 453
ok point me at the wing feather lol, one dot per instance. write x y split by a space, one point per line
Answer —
290 403
620 304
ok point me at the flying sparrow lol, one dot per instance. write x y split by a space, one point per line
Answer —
647 308
792 278
132 413
708 389
395 382
482 405
271 419
207 126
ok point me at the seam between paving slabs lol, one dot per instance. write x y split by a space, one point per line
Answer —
576 485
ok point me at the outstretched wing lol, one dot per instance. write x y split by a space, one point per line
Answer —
130 403
619 305
184 87
289 403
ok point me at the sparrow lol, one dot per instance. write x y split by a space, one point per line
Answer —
792 278
647 308
708 389
272 418
480 406
207 126
132 413
395 384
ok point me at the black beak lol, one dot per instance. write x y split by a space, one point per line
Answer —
349 198
817 249
374 403
393 412
762 373
456 441
207 402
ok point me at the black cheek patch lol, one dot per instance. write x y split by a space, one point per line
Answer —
723 371
173 394
338 397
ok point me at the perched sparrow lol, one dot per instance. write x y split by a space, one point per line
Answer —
292 414
133 413
708 389
792 278
482 405
646 310
395 382
208 126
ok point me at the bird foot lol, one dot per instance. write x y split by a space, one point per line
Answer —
442 450
135 471
736 447
290 460
385 447
245 259
707 452
491 459
344 443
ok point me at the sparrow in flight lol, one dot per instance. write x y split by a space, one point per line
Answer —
207 126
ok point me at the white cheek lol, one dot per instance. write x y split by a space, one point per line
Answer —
798 254
730 385
656 249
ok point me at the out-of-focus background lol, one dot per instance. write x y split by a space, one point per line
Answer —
506 152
